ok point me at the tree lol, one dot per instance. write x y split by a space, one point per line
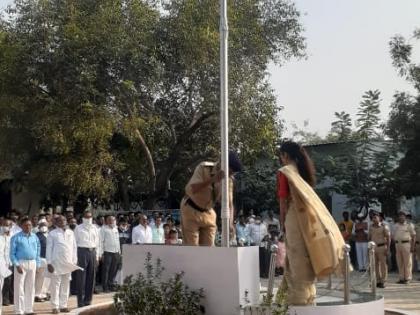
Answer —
341 128
364 169
124 95
403 123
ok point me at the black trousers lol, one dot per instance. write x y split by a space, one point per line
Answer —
85 279
109 269
8 289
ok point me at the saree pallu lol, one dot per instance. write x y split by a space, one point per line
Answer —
314 244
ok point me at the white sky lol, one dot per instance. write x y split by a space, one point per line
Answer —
348 54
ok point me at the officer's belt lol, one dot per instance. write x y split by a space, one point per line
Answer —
192 204
401 242
379 245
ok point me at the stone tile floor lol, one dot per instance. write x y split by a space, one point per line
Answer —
397 296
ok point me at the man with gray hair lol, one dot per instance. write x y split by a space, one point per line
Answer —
61 255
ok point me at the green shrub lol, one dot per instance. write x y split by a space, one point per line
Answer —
149 294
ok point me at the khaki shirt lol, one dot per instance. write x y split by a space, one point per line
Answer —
418 233
207 197
404 232
379 234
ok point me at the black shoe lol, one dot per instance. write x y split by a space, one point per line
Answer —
39 300
380 285
88 303
401 281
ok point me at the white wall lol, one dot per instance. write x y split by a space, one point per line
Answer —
224 273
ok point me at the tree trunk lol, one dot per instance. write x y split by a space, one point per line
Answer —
150 163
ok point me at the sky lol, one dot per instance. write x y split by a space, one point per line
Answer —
348 54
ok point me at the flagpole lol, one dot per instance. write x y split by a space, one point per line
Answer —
224 120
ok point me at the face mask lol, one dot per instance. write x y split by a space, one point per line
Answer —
72 226
43 229
123 228
87 221
173 242
5 229
257 222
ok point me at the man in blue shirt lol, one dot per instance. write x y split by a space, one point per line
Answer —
25 256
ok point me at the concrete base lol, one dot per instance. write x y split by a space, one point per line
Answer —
375 307
229 276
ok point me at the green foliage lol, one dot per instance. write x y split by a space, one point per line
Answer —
74 74
341 128
364 167
403 125
148 294
256 186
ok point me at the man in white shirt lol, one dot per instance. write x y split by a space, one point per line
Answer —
4 257
257 231
61 256
158 234
87 240
110 251
271 222
142 233
8 281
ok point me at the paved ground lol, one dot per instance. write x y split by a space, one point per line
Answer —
45 307
405 297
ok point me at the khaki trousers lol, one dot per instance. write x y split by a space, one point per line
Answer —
298 274
381 264
198 228
404 261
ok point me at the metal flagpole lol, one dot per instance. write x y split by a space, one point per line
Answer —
224 120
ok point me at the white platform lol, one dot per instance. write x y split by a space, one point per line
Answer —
375 307
225 274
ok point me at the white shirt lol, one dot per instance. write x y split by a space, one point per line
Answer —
15 229
61 251
257 232
109 240
6 240
274 221
4 256
142 235
87 236
158 235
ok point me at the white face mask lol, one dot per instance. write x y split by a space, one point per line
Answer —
43 229
87 221
257 222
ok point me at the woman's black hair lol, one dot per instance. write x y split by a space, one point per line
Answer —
298 154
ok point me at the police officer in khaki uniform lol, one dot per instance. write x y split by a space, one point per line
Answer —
380 235
418 246
405 240
198 218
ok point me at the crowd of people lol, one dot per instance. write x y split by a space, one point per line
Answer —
397 243
50 256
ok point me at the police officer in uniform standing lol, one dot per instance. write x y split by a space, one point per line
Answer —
405 241
380 235
198 218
